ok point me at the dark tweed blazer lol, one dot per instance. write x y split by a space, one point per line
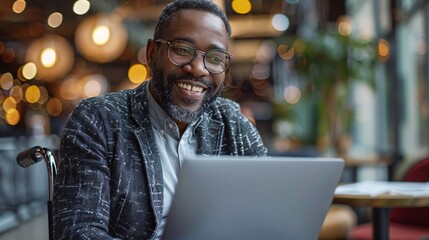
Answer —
109 184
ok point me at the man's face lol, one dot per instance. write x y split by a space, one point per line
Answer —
185 92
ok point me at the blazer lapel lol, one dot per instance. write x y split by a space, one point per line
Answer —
150 154
209 136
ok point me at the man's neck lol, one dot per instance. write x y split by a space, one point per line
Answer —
182 126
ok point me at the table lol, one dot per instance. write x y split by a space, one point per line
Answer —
381 196
353 163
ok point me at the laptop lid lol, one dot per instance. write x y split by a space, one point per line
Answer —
252 198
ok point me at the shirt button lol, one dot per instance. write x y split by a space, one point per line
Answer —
170 125
162 132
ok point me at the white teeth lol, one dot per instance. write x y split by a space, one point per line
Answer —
197 89
190 88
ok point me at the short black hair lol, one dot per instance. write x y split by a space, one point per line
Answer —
171 9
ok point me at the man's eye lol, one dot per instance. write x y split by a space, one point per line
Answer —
184 51
215 58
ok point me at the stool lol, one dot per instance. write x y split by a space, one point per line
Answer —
339 220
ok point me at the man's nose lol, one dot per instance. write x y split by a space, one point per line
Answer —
197 67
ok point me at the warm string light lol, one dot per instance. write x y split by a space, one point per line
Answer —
14 93
344 25
137 73
19 6
241 6
50 55
75 88
95 40
383 49
80 7
101 35
29 70
55 19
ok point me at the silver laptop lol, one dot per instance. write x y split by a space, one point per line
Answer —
246 198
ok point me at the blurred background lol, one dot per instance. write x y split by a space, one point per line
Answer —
318 78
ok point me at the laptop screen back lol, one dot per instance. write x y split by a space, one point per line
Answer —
252 198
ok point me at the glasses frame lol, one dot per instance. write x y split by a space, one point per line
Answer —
197 52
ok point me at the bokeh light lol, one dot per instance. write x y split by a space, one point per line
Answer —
48 58
292 94
54 107
280 22
32 94
344 25
9 104
81 7
241 6
16 93
13 117
92 88
29 70
95 41
6 81
70 89
55 19
94 85
285 52
137 73
101 35
53 56
261 71
19 6
383 49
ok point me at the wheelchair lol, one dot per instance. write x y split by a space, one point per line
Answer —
37 154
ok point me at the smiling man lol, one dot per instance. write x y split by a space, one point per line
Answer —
121 152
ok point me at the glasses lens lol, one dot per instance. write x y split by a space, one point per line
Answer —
181 53
216 61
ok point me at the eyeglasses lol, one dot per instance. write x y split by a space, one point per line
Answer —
182 53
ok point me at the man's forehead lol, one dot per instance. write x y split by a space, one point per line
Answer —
198 19
191 15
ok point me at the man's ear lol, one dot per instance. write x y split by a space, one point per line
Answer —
150 51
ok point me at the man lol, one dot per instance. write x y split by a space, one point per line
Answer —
120 153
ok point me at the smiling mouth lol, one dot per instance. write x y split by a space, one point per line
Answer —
191 87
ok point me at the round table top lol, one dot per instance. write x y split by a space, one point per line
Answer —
382 200
383 194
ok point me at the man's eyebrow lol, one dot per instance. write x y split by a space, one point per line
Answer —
193 42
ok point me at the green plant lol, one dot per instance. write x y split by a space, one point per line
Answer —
329 63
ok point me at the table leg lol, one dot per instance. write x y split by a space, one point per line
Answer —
381 223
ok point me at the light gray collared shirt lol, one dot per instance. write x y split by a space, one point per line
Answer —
172 148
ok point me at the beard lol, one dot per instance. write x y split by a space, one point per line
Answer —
164 95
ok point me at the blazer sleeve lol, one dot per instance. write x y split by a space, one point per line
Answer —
81 205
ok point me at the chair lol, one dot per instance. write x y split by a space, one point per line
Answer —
37 154
404 223
339 221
